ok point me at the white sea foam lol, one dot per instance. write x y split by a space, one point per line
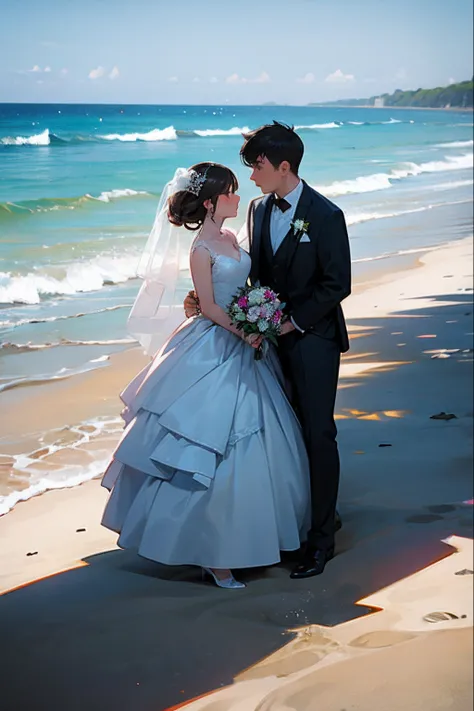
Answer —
399 253
236 131
71 474
75 277
100 359
109 195
384 181
157 134
332 124
15 348
454 184
456 144
9 382
71 203
8 323
40 139
94 469
359 217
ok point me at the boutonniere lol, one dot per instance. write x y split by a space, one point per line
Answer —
300 227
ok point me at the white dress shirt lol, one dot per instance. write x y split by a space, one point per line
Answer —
280 221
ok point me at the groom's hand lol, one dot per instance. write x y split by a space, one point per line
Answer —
287 327
191 305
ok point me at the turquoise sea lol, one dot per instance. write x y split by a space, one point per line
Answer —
79 185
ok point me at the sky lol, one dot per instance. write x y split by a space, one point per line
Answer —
243 52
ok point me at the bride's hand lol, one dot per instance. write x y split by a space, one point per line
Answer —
253 339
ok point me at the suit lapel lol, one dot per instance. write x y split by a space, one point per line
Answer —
256 233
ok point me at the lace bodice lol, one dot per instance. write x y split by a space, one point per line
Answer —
228 274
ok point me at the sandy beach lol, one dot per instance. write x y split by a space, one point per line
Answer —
86 625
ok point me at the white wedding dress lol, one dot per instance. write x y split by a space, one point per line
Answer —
211 469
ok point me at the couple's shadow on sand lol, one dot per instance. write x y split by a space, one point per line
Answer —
123 633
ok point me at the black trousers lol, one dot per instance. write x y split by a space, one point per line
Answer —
311 364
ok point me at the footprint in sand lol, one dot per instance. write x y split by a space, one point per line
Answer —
301 654
423 518
444 416
380 638
441 508
283 667
442 617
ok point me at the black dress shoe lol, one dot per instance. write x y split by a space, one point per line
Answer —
337 522
313 563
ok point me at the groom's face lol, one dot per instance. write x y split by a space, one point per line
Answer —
265 176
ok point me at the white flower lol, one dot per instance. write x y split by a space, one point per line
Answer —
267 311
256 296
300 226
262 325
253 314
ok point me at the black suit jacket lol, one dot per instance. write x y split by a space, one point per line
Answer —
312 276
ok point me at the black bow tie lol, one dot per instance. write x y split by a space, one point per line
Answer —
282 204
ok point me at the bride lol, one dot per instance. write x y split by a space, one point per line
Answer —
211 469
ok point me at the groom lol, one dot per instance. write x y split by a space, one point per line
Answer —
299 248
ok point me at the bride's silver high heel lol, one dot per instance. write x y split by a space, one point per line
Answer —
229 583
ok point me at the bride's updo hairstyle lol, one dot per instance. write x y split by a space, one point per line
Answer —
206 182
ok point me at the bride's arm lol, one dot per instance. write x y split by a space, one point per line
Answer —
202 278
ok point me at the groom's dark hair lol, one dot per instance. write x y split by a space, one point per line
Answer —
276 142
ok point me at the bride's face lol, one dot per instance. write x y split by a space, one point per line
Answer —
227 205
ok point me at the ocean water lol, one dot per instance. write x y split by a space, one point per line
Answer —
79 186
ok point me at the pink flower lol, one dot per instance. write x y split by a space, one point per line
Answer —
243 302
277 317
269 295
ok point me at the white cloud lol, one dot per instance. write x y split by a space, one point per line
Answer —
451 80
96 73
235 79
36 69
213 80
173 80
308 78
338 77
262 78
39 81
114 73
196 80
401 74
64 72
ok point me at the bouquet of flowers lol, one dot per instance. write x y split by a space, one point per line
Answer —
257 310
